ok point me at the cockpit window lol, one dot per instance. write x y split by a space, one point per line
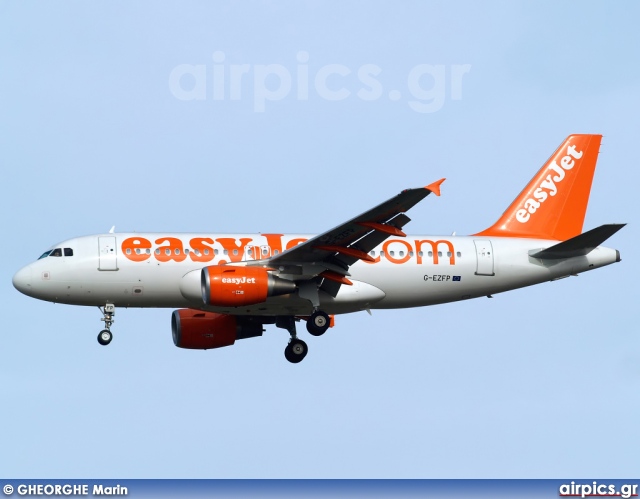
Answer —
68 252
45 255
56 252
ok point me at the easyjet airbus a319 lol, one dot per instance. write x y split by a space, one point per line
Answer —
227 287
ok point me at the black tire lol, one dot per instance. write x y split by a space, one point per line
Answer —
105 337
318 323
296 351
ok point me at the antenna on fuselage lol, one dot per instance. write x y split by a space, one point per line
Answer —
112 229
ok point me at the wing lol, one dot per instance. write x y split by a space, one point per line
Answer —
328 256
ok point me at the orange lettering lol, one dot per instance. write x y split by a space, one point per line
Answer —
135 248
392 259
295 242
200 245
274 241
434 248
173 251
235 251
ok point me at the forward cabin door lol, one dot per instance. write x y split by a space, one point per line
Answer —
108 253
484 255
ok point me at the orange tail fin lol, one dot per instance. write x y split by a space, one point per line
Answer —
554 203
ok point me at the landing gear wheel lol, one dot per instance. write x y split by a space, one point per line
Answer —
318 323
296 351
105 337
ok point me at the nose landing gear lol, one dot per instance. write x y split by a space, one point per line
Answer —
108 311
296 349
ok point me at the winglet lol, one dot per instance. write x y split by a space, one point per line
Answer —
435 187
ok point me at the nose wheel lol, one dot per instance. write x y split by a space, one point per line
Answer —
108 311
296 351
105 337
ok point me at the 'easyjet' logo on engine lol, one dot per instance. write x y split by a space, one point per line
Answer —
548 187
238 280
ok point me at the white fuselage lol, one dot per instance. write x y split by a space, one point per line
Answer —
159 270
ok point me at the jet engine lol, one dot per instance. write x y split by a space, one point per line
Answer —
199 330
228 286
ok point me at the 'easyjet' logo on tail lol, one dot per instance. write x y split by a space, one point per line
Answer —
548 186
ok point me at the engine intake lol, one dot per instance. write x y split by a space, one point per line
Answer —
228 286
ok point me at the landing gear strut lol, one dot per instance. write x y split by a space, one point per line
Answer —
108 311
296 349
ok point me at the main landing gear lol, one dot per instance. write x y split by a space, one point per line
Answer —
317 324
108 311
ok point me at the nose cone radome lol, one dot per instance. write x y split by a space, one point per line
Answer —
22 281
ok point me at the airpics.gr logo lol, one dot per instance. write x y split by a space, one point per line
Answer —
548 186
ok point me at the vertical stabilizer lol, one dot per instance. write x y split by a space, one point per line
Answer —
554 203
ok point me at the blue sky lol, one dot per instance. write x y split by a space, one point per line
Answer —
94 132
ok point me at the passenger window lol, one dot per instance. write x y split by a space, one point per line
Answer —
206 251
56 252
249 253
129 251
225 252
167 252
430 253
449 254
420 253
235 251
410 253
264 251
68 252
439 253
157 251
177 251
401 253
275 252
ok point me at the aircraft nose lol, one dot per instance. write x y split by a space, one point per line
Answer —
22 280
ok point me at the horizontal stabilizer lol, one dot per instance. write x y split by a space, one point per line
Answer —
579 245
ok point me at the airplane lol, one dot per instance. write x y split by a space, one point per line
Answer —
227 287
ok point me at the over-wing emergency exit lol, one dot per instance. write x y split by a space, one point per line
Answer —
227 287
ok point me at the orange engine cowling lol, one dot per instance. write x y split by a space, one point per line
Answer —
228 286
204 330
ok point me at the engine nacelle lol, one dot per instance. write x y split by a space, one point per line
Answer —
204 330
229 286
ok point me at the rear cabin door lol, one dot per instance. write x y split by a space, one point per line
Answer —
108 253
484 254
